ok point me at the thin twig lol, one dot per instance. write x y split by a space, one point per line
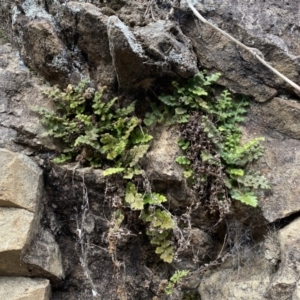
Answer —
251 50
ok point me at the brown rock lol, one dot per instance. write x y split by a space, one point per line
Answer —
160 159
249 280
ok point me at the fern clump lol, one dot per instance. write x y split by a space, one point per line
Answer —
100 133
94 131
214 158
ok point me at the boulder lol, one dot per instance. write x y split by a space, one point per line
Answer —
21 181
285 283
23 252
18 230
85 26
168 49
45 254
127 54
266 26
145 53
249 280
22 288
42 49
277 122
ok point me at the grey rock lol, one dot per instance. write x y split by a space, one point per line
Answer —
280 162
22 288
18 229
21 182
127 53
285 283
42 49
88 25
145 53
254 26
45 253
168 48
279 114
247 281
20 92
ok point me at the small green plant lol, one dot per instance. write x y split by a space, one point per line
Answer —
223 150
160 221
94 131
174 280
103 134
221 126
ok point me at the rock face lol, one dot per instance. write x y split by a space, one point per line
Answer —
226 285
136 48
77 20
20 93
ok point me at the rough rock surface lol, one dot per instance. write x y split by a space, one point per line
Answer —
21 192
139 46
22 288
226 284
267 26
20 92
76 21
247 273
160 159
276 121
45 254
21 182
43 50
16 235
126 52
285 283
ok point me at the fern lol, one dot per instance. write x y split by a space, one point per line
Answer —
84 121
177 276
133 198
219 121
248 198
